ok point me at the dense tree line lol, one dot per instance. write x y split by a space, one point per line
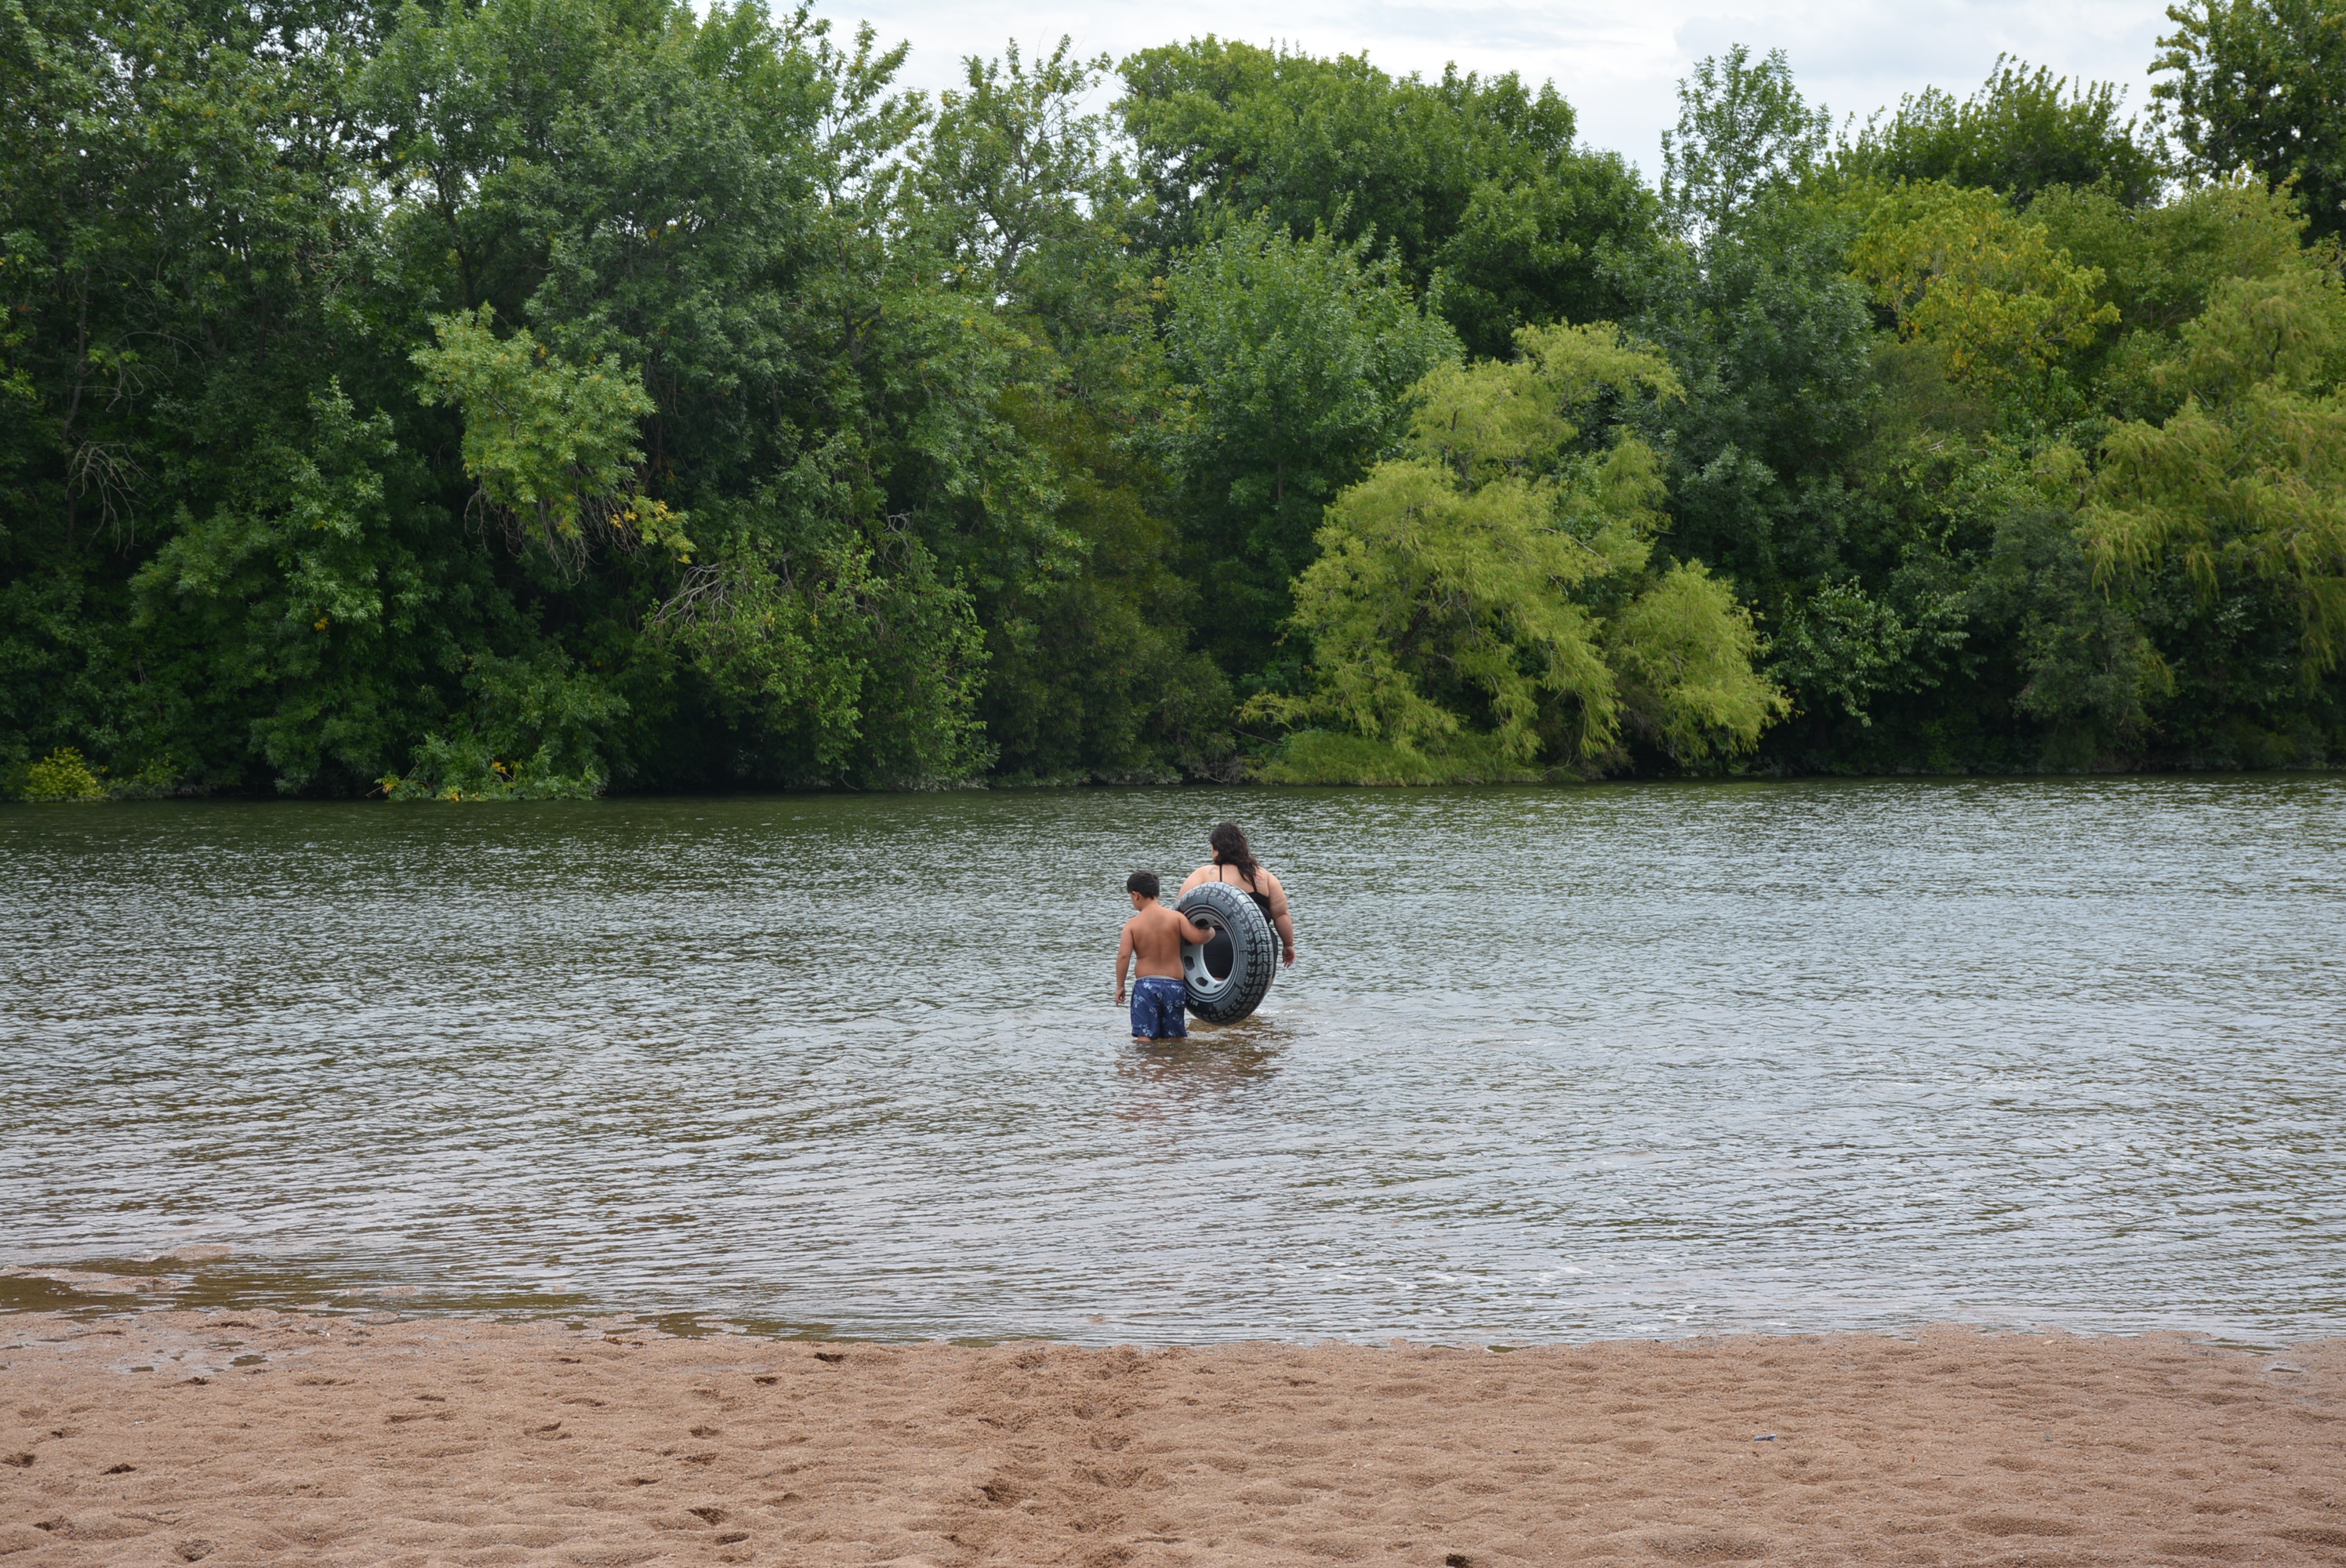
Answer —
536 396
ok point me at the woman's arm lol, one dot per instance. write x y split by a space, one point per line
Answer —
1281 918
1202 874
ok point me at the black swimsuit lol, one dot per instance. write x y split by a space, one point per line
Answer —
1220 952
1261 901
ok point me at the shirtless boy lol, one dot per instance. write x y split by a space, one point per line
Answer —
1152 946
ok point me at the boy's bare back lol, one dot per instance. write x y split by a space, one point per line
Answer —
1157 934
1152 942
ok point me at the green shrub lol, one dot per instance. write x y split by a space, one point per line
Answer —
466 770
530 733
62 775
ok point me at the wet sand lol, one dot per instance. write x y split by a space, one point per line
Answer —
167 1438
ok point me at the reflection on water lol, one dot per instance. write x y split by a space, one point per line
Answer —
1555 1063
1175 1077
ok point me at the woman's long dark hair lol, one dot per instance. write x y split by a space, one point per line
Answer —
1230 843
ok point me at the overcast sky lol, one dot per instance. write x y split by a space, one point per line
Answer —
1617 61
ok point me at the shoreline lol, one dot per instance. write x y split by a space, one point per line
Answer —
244 1437
1559 777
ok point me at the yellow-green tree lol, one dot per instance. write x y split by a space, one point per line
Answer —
552 443
1501 568
2245 486
1988 288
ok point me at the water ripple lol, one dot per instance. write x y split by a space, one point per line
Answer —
1557 1064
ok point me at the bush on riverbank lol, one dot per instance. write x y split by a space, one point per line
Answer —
62 775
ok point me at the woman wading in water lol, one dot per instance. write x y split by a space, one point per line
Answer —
1234 862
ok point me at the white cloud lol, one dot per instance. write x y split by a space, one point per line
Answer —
1617 61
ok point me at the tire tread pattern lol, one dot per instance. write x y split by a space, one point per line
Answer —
1254 951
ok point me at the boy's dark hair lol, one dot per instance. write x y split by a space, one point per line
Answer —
1145 883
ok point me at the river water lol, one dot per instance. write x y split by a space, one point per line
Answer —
1555 1063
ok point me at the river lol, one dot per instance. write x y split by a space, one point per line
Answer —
1555 1063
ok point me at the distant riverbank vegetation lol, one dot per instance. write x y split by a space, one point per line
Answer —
535 397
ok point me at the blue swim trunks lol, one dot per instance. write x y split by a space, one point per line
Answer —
1158 1004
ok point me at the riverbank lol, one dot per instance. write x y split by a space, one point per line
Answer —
262 1438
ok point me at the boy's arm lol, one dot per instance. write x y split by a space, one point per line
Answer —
1123 958
1192 932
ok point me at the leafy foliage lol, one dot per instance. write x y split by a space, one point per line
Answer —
62 775
551 443
1987 290
2248 480
2020 133
1496 568
1744 133
2261 85
1774 343
1300 357
1472 185
531 397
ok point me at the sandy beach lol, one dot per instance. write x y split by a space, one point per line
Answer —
227 1439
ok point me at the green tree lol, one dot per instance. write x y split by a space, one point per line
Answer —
312 620
2158 263
1773 341
1298 358
2244 488
553 444
1842 648
2261 85
1744 133
1494 577
2086 675
1985 289
1012 169
1473 184
2020 133
532 730
1768 333
527 397
1089 672
182 199
720 204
